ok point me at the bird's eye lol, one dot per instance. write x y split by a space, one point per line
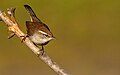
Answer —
45 35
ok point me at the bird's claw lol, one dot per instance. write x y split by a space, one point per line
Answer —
24 37
41 52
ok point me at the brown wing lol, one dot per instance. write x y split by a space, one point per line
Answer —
44 28
30 27
34 26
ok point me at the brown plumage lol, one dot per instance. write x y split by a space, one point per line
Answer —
34 26
38 32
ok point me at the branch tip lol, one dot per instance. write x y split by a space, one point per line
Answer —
11 11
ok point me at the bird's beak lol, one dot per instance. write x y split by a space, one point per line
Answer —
53 37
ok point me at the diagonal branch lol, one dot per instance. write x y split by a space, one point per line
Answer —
9 19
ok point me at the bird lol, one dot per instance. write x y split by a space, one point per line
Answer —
37 31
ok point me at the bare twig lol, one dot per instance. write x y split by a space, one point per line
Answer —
9 19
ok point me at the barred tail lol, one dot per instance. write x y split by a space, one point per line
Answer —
32 14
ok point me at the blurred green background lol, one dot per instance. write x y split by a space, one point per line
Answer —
87 37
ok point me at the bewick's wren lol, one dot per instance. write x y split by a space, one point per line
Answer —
37 31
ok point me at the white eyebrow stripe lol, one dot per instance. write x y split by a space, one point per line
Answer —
42 32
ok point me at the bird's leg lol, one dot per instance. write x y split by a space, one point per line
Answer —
42 50
24 37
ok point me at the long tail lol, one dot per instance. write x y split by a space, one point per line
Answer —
32 14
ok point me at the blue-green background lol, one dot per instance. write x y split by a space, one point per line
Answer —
87 37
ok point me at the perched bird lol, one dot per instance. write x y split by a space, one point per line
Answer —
37 31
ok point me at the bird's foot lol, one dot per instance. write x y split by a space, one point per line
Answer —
41 52
24 37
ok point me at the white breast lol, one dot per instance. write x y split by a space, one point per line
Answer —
39 38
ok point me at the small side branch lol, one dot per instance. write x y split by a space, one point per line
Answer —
9 19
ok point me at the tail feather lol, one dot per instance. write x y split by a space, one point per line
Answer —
32 14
